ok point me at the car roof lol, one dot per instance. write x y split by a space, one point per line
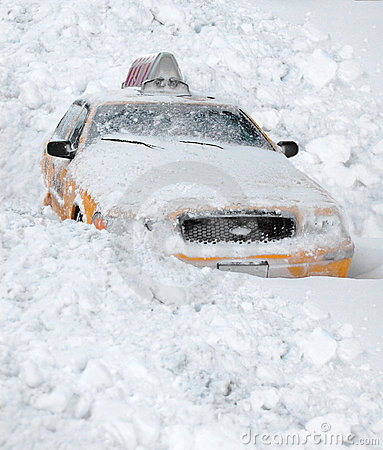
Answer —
135 95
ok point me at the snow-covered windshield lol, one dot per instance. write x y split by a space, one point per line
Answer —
202 123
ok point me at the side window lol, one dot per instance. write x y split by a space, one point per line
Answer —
77 128
66 123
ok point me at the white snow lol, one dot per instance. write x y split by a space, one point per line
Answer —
318 68
334 148
319 347
253 173
31 374
349 349
104 349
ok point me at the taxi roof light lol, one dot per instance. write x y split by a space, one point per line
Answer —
153 66
165 86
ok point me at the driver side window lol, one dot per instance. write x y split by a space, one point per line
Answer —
66 123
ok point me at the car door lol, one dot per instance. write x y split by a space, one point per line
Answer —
69 129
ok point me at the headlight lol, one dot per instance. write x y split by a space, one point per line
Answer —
324 224
328 223
119 224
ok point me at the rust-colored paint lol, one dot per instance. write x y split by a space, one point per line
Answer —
311 257
57 208
48 199
304 268
324 211
86 126
90 206
332 269
301 264
222 258
259 129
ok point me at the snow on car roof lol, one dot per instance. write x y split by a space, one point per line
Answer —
134 95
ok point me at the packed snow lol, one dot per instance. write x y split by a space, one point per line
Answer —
101 348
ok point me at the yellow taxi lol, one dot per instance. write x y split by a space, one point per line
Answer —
225 194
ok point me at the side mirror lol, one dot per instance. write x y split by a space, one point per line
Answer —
60 149
289 148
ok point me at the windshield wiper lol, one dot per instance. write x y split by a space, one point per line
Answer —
131 142
201 143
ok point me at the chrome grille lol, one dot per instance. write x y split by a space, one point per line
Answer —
248 227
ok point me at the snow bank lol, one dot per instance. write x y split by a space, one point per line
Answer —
90 362
318 68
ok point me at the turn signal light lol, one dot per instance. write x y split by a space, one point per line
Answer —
99 222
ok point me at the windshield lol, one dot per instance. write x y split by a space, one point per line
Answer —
197 123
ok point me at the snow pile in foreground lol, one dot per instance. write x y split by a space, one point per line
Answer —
102 363
90 356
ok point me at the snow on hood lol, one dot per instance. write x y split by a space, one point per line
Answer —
122 175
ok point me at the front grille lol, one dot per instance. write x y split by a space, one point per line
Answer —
240 227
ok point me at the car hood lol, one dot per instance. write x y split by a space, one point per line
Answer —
174 175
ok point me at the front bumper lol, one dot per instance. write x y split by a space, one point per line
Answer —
331 262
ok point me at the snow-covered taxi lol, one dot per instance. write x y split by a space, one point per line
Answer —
224 192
